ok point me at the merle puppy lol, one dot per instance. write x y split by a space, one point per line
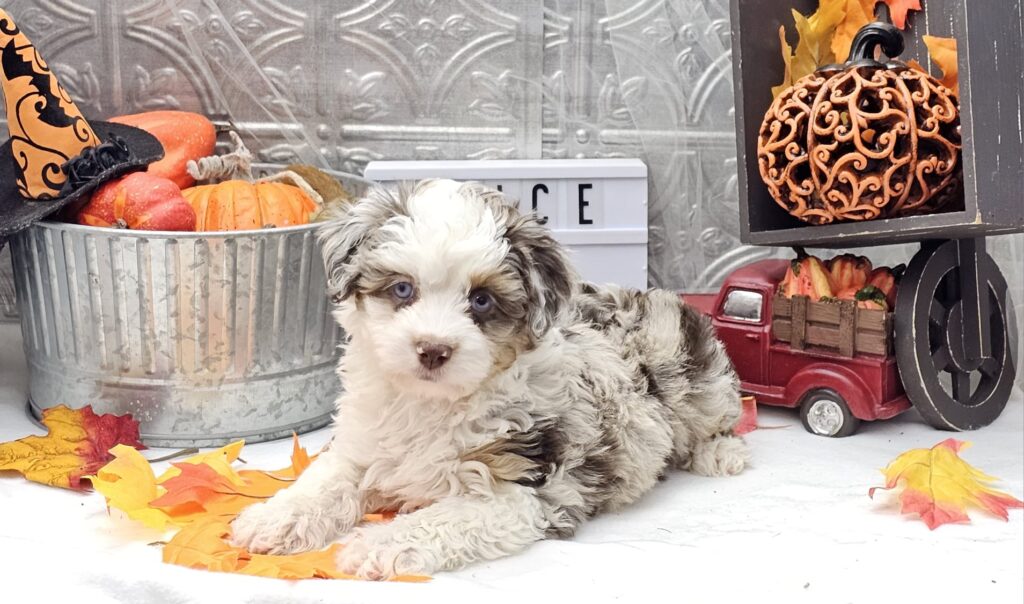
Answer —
491 397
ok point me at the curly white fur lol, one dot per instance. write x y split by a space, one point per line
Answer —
560 401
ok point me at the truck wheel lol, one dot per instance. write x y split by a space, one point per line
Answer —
825 413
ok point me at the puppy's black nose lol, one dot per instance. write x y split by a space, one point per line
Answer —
433 356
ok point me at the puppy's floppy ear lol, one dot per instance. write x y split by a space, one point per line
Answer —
548 278
345 231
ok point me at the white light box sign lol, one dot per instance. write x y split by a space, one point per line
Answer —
595 207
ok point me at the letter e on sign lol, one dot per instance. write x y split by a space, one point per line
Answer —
586 202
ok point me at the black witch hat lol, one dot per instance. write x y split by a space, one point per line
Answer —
54 158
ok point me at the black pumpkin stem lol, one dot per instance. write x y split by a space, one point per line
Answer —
870 37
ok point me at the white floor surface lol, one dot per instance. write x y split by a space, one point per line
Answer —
797 526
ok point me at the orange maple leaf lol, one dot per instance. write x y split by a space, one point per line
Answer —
205 485
898 10
858 13
939 486
202 545
76 445
203 494
199 490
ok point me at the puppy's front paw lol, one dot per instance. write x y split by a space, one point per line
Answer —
372 554
277 527
720 456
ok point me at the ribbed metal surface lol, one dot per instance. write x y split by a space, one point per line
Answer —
8 303
203 337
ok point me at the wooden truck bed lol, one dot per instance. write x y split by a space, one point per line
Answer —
838 326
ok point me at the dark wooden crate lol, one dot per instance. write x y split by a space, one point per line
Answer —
991 63
838 326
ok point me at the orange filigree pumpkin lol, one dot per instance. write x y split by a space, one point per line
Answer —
237 205
863 140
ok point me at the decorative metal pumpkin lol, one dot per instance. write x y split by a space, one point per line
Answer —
864 139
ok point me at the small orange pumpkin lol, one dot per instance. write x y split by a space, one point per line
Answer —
236 205
240 203
139 200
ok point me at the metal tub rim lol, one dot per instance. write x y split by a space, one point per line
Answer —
115 232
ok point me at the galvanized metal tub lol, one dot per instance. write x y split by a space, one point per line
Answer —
202 337
8 303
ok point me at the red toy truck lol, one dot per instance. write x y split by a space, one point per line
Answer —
833 361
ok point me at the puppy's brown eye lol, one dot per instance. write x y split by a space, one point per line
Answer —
481 302
403 291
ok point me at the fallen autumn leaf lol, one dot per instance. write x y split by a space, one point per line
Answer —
939 486
202 495
76 445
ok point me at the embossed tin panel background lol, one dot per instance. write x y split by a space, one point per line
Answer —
342 82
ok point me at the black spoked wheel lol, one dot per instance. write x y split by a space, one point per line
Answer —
952 388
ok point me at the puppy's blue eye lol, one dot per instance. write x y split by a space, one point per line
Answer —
403 290
481 302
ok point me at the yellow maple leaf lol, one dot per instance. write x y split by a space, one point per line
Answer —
857 14
939 486
787 59
944 54
128 484
222 458
75 446
814 49
814 45
202 486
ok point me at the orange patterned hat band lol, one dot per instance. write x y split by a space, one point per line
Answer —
46 127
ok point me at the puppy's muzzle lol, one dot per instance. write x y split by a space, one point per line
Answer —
433 356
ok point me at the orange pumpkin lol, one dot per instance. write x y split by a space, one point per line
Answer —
139 201
237 205
185 136
807 276
848 270
868 296
884 278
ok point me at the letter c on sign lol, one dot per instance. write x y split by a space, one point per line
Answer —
540 187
